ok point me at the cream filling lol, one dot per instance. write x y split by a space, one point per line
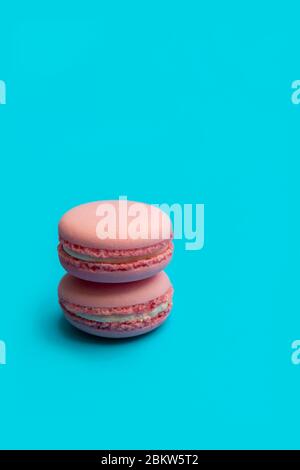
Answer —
121 318
93 259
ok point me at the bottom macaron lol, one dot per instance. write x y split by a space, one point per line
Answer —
116 310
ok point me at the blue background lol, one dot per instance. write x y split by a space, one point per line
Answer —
186 102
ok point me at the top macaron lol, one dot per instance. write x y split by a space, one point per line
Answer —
115 241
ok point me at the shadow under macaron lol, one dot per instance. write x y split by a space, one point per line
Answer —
72 333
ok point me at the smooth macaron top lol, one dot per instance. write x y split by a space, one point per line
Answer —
90 294
115 225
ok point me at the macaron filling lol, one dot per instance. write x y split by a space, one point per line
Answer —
115 318
123 318
99 260
112 260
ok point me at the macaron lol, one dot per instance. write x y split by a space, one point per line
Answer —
115 241
116 310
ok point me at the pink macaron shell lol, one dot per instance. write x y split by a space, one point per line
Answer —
115 276
110 333
89 294
79 225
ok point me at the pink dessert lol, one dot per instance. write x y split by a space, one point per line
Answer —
116 310
115 241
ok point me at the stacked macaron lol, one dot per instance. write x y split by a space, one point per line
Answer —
115 252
